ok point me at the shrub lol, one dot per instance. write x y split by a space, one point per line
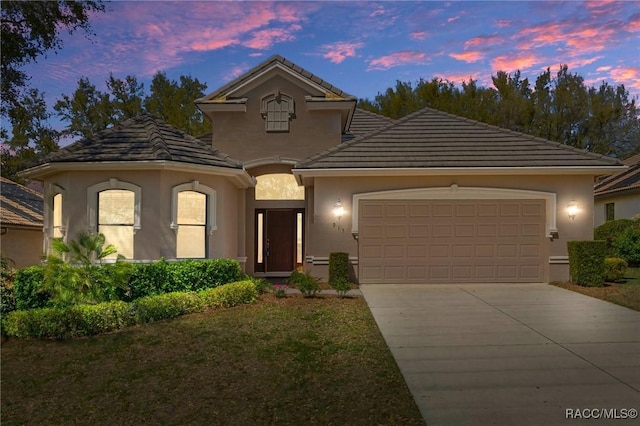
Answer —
69 322
7 298
609 230
586 262
304 282
166 306
189 275
627 246
338 267
28 288
262 285
229 295
614 268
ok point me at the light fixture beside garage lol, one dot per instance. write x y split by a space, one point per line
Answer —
338 212
572 209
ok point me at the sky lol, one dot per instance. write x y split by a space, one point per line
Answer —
361 47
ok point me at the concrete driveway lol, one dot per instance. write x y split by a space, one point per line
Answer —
499 354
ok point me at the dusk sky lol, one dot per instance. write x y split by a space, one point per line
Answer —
360 47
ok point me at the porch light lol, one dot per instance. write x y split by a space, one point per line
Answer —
338 209
338 212
572 209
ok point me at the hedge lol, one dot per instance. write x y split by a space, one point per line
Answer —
586 262
338 267
27 288
89 320
614 269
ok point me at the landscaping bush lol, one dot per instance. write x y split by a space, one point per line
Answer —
627 246
262 284
190 275
229 295
608 231
614 269
87 320
28 288
69 322
586 262
338 267
304 282
166 306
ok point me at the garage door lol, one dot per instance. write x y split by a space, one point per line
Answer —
444 241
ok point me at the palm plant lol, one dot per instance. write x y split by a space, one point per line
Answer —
76 272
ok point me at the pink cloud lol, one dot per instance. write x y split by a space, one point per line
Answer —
629 76
453 19
634 24
603 69
469 56
338 52
264 39
482 41
503 23
396 59
418 35
510 63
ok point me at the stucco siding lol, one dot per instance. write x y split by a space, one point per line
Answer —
627 206
324 238
22 245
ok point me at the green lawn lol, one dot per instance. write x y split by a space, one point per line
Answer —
280 361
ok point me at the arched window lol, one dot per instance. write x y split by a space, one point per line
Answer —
114 210
192 218
57 229
277 110
54 225
278 186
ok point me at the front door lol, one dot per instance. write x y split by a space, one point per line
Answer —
279 240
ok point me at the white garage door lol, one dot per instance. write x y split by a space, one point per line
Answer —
445 241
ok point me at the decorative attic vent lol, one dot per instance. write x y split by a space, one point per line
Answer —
277 109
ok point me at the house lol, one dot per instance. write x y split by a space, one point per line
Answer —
618 196
21 237
293 171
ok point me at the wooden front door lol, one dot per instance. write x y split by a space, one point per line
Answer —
277 240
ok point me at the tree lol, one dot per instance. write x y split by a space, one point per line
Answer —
88 111
174 103
29 30
127 97
32 136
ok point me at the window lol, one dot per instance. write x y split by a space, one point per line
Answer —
192 222
609 211
114 210
193 218
278 186
116 219
57 230
277 110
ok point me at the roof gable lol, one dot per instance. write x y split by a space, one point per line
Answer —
626 181
275 65
432 139
19 205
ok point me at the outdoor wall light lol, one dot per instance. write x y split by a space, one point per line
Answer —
572 209
338 212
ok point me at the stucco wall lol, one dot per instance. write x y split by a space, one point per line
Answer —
242 135
22 245
627 206
156 239
324 238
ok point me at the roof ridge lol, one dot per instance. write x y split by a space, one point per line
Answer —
159 145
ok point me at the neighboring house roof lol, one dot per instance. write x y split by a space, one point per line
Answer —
143 138
434 139
275 60
627 181
20 206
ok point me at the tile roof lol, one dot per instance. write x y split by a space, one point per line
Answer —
264 66
364 122
143 138
19 205
434 139
625 181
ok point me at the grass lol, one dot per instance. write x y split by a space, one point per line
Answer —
625 293
280 361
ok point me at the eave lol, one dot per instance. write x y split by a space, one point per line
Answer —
304 176
239 177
